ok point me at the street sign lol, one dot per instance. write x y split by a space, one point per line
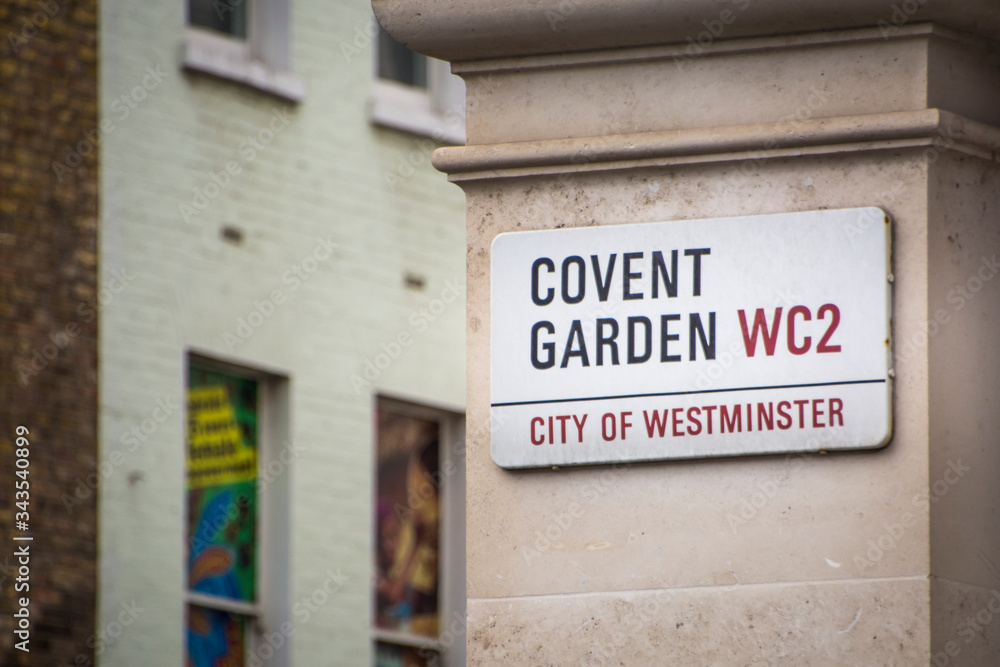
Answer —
722 337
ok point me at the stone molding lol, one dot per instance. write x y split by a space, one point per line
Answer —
905 129
718 47
457 30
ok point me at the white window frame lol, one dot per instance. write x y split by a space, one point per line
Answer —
437 111
263 60
452 592
272 609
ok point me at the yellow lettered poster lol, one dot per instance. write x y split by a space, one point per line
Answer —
217 452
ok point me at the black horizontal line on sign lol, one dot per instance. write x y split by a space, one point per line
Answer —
686 393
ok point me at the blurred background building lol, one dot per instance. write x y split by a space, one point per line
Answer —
233 324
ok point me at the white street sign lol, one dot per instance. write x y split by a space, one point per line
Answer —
722 337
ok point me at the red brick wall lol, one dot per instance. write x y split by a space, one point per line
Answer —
48 333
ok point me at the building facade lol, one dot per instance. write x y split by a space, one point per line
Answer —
273 471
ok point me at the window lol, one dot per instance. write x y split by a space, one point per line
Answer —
415 93
228 18
243 40
400 64
230 519
419 526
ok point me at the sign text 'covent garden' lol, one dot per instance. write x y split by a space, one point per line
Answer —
721 337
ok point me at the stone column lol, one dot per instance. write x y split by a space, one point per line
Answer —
585 112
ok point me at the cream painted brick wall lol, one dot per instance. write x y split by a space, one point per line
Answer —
322 176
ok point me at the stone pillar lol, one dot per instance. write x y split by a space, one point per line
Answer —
585 112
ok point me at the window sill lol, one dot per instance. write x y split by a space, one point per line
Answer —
425 124
406 639
410 110
221 603
230 59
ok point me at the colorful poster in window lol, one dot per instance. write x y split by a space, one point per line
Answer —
222 433
408 524
221 511
215 638
396 655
